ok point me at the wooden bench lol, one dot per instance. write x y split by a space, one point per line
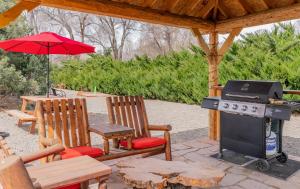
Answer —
23 117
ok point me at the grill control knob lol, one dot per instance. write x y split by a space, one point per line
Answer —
244 107
235 106
226 105
254 108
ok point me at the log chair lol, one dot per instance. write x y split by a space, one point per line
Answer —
130 111
65 121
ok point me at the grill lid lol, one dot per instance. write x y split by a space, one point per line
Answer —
252 91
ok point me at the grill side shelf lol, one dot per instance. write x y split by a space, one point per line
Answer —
210 103
278 112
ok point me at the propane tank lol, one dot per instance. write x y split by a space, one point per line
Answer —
271 140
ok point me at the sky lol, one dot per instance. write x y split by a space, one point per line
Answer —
264 27
261 27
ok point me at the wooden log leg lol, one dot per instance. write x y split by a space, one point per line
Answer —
116 143
24 105
129 143
84 185
106 146
102 185
168 151
32 128
20 123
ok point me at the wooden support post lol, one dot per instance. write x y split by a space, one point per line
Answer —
218 93
214 56
213 81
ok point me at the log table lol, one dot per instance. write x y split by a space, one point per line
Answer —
109 131
151 173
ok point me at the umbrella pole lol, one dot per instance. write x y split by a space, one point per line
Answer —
48 70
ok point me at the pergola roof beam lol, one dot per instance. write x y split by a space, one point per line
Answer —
124 10
14 12
265 17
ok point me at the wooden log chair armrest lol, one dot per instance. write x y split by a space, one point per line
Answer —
91 130
53 150
160 127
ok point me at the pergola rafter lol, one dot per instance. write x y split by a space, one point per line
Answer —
13 13
211 17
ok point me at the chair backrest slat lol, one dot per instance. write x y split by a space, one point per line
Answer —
56 105
129 111
48 108
65 123
72 122
145 118
117 110
135 117
140 115
79 121
85 123
123 112
70 126
110 110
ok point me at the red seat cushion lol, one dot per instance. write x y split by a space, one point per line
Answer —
73 186
147 142
81 151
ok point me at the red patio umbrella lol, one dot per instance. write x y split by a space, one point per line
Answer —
45 44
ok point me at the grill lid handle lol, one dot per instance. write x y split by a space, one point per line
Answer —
242 96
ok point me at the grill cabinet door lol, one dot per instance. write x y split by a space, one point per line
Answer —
243 134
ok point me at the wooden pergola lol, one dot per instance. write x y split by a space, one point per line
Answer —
212 17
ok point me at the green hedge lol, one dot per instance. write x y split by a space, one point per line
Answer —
182 76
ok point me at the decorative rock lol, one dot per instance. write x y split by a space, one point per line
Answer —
153 173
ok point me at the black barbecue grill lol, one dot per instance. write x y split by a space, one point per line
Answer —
247 109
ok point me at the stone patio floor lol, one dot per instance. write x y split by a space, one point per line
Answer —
237 177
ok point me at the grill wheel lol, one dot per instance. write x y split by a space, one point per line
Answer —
282 158
262 165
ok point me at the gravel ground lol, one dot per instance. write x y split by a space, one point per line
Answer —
188 121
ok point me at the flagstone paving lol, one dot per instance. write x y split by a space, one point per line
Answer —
200 150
